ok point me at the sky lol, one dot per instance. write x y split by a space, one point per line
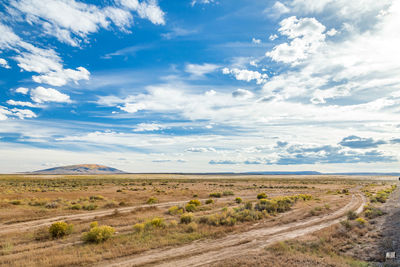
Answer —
200 85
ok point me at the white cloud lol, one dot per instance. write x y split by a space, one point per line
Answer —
242 94
363 62
200 70
277 10
256 41
201 149
72 21
149 127
62 77
63 18
49 65
21 103
23 113
246 75
178 32
4 63
148 10
307 36
41 95
7 37
194 2
22 90
272 37
5 113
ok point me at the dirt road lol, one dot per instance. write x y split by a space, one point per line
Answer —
209 251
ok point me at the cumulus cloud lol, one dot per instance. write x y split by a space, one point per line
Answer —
4 63
246 75
22 90
22 104
5 113
256 41
45 62
7 37
71 21
306 35
42 95
272 37
277 10
148 10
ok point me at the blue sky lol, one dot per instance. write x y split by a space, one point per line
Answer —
200 86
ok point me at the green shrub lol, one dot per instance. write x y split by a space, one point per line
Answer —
60 229
372 212
261 196
152 200
190 208
361 222
209 201
238 200
174 210
186 218
94 224
195 202
216 195
139 227
51 205
351 215
304 197
98 197
248 206
15 202
98 234
156 222
228 193
75 207
90 206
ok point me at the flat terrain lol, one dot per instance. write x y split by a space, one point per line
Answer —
198 220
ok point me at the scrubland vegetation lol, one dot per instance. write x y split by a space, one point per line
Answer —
233 206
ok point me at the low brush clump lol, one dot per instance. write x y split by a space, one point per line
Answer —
261 196
60 229
175 210
186 218
228 193
209 201
98 234
152 200
372 212
262 209
216 195
382 195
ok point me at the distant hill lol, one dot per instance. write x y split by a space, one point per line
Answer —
80 169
